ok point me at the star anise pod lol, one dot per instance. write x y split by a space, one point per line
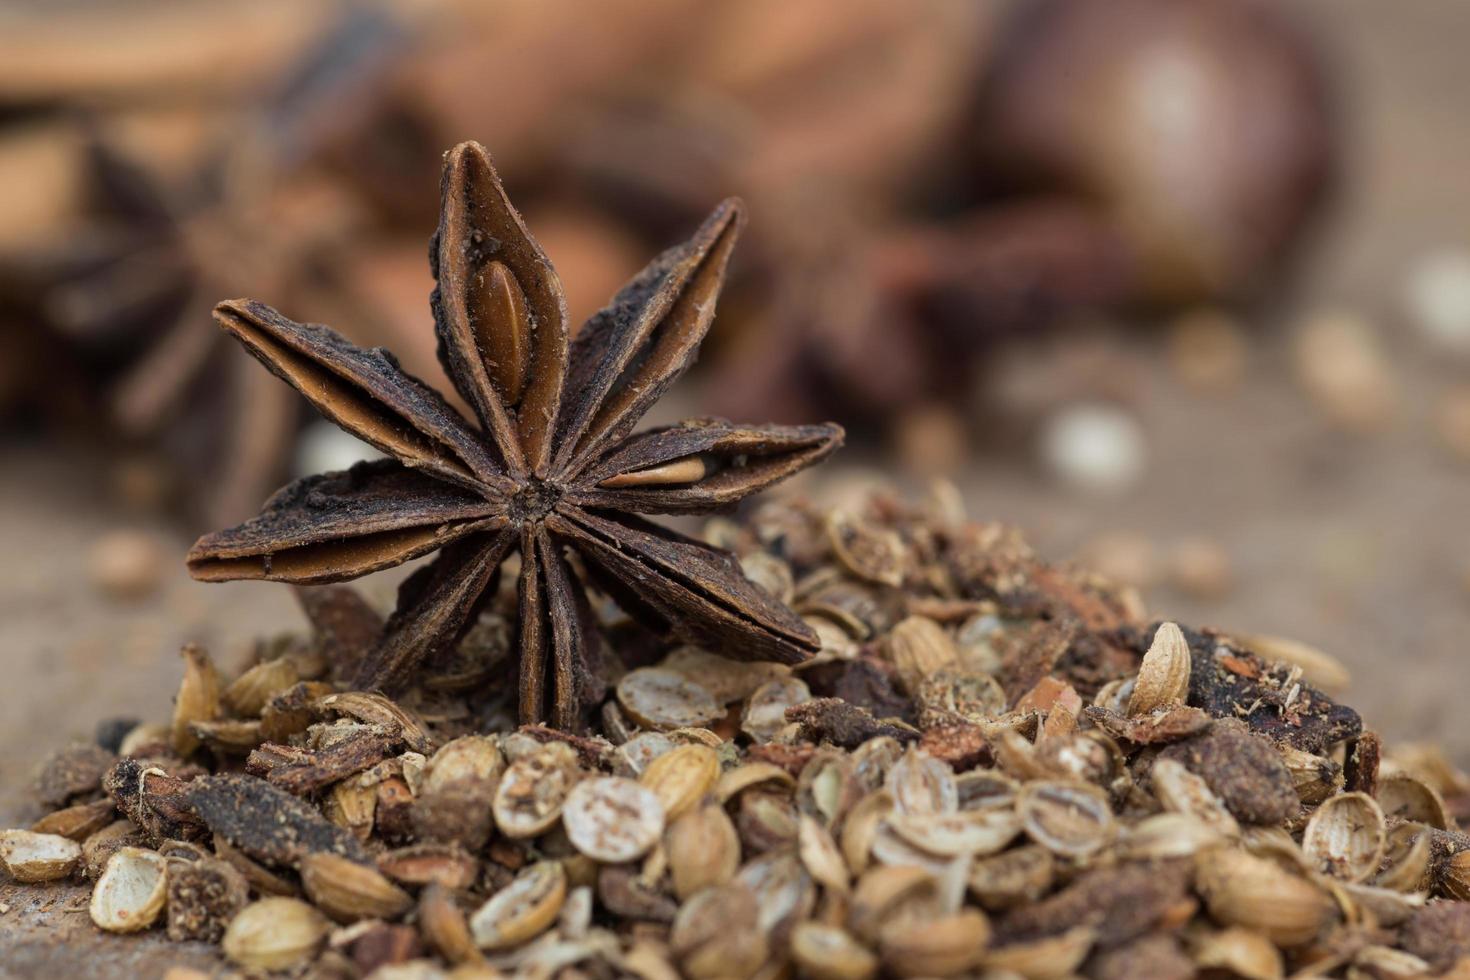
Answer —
552 465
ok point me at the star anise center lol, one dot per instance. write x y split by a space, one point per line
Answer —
533 500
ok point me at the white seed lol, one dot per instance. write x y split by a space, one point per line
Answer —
658 698
131 892
613 819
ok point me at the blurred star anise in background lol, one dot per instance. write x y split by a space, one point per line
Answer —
928 179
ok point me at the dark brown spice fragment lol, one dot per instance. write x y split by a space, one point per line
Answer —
1122 903
267 823
160 804
308 772
960 744
845 725
1159 727
203 896
1158 957
1439 933
865 682
72 772
1243 769
1360 768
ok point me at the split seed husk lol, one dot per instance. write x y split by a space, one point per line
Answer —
131 893
1163 676
275 934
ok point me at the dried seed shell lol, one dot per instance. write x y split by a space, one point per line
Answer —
726 680
703 849
680 778
445 927
935 947
428 864
1046 958
1346 836
275 934
203 896
820 856
663 699
1314 777
198 699
1257 893
973 832
131 893
826 952
1243 952
387 716
1071 819
1405 797
1163 676
30 856
922 784
881 893
1407 852
717 936
247 695
612 819
1170 835
919 648
348 891
523 909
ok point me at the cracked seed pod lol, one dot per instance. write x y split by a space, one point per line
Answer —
1071 819
749 775
681 777
919 648
348 891
1409 798
523 909
1384 906
826 952
664 699
1241 889
1051 956
198 699
1345 838
203 896
248 694
934 947
765 710
32 857
229 736
861 828
703 849
726 680
275 934
131 892
828 787
1163 676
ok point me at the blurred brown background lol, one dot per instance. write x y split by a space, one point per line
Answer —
1184 289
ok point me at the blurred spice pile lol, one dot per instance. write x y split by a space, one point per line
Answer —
925 181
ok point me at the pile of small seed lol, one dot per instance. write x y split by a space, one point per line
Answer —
995 767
